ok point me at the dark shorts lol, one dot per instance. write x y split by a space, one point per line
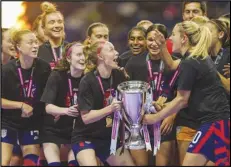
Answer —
102 148
169 137
213 141
17 149
48 136
24 137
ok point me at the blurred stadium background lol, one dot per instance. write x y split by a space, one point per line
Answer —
119 16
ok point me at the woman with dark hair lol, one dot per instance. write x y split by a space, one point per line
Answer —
144 23
149 68
91 138
23 81
201 91
60 96
136 43
97 32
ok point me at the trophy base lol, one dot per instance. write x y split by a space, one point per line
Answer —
135 141
135 146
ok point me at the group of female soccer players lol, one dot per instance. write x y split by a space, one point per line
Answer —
58 98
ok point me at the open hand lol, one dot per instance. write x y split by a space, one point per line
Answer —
167 125
159 39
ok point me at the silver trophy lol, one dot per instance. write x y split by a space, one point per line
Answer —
133 96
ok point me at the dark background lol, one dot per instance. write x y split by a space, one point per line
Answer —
119 16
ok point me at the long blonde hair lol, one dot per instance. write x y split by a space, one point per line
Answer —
199 37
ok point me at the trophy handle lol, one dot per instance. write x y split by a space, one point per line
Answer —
127 127
142 108
126 116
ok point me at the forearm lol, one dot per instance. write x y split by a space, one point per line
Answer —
173 115
172 108
55 110
225 82
168 61
96 115
9 104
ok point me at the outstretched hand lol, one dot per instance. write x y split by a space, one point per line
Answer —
159 39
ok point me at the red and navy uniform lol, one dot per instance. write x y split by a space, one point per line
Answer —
15 127
209 106
213 140
94 135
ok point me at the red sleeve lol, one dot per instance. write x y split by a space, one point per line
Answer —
169 46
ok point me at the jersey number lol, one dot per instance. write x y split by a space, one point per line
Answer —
36 132
196 138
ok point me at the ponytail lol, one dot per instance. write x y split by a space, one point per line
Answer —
201 49
91 57
91 52
199 38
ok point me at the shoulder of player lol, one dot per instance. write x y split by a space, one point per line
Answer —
89 79
59 75
125 54
88 76
10 66
42 64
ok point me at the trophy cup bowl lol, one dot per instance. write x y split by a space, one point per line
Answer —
133 94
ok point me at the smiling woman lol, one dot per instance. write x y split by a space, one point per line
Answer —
91 136
60 96
53 25
8 50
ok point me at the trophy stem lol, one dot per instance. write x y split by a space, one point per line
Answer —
135 140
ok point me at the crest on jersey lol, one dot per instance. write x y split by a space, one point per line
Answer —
4 133
108 97
33 88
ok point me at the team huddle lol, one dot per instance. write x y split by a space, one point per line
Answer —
59 98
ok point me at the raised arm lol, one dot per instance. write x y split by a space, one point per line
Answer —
165 55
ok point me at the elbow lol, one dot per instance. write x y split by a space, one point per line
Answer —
85 119
183 102
48 108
